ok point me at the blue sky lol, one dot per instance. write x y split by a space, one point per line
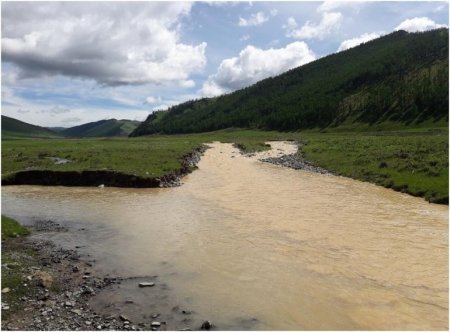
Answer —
64 64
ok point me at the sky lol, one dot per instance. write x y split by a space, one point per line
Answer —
68 63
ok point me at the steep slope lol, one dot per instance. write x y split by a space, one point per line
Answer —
12 128
399 79
102 128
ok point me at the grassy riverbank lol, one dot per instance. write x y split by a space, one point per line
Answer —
11 228
413 161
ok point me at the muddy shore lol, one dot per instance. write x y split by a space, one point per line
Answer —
58 285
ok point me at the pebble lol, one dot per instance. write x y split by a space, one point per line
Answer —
6 290
69 304
296 162
146 284
155 315
156 324
122 317
206 325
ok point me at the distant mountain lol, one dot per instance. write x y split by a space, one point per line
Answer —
102 128
56 129
12 128
400 79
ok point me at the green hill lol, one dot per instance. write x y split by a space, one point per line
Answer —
102 128
396 81
14 129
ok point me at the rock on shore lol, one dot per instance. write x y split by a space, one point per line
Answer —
296 162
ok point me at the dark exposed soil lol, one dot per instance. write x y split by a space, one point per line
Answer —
105 178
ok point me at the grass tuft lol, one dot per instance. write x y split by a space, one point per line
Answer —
11 228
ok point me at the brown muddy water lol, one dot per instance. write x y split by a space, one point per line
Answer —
250 245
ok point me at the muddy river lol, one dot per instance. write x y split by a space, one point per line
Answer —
250 245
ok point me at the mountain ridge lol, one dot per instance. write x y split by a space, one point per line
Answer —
400 78
102 128
13 128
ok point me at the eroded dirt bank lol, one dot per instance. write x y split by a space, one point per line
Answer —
105 178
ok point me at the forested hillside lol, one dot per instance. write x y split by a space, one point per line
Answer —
400 79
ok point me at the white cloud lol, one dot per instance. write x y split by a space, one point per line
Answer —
418 24
254 64
211 89
329 23
440 8
186 84
152 100
328 6
32 114
56 110
273 43
349 43
254 20
244 38
115 43
221 3
161 107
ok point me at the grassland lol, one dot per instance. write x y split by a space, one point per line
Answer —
144 156
413 161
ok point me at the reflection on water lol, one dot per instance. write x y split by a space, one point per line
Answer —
243 239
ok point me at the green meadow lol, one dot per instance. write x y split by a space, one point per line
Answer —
413 161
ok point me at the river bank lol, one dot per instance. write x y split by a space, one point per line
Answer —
411 161
287 154
54 287
94 178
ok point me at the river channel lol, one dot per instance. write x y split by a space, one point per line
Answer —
251 245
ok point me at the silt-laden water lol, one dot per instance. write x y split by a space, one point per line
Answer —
249 245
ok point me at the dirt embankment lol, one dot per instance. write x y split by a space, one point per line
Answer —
105 178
